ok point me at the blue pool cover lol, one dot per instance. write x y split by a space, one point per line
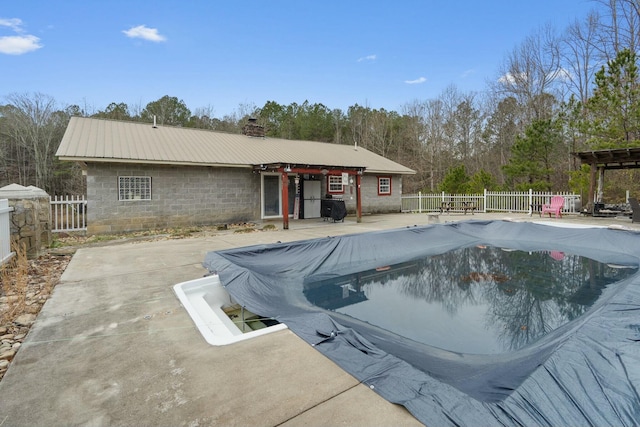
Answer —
586 372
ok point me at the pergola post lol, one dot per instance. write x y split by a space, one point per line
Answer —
358 198
600 195
592 187
285 201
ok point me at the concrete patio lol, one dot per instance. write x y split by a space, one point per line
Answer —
113 346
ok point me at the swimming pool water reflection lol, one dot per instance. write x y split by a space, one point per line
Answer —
479 300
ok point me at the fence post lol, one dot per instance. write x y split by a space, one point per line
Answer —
5 231
530 202
419 201
484 201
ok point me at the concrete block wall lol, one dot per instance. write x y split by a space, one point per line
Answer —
372 203
181 196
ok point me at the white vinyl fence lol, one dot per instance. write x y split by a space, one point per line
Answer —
489 201
68 213
5 231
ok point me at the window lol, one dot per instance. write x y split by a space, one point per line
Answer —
384 186
134 188
334 184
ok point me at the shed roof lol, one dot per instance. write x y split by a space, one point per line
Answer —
99 140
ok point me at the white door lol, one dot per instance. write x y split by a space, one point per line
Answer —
312 195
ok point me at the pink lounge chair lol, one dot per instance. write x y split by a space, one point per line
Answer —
557 202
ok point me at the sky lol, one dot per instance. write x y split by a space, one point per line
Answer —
221 55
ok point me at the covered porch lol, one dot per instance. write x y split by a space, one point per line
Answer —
294 191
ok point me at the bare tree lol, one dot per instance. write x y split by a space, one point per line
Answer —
531 72
579 54
619 27
415 113
435 130
500 133
31 123
383 131
339 123
359 126
466 129
203 118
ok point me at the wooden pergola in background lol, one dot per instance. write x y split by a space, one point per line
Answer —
601 160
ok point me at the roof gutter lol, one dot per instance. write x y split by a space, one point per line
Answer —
88 160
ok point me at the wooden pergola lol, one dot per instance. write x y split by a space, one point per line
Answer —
601 160
286 169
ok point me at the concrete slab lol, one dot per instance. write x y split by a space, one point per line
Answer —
113 346
355 407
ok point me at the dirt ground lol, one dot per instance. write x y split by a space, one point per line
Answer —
26 286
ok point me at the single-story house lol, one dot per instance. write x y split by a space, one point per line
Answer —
142 176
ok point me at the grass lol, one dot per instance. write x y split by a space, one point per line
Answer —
245 230
14 276
25 285
62 240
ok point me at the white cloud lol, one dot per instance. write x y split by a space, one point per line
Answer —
14 23
467 73
416 81
506 79
143 32
563 75
368 58
512 79
17 44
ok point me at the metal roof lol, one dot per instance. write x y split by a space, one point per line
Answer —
617 158
99 140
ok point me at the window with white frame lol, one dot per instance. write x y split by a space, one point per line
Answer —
334 184
134 188
384 185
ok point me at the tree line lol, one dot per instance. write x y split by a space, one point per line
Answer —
555 93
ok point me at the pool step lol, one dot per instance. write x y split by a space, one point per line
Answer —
251 322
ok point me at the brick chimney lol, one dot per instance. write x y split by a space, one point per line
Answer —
252 128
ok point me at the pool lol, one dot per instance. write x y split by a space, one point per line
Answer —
478 322
476 300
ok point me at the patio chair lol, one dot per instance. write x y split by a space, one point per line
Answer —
635 210
557 202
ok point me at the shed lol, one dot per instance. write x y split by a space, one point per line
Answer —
141 176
